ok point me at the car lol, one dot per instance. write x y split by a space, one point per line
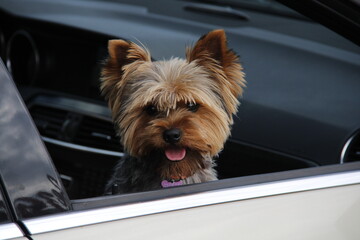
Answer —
290 170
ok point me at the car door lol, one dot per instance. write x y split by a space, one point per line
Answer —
318 207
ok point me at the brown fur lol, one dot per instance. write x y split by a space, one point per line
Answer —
211 76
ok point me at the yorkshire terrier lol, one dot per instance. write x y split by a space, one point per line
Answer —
173 116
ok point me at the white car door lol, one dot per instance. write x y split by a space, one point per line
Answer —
318 207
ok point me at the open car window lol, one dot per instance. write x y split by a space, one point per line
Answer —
297 128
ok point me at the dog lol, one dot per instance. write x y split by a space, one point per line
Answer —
173 116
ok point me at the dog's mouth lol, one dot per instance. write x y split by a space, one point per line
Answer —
175 153
178 163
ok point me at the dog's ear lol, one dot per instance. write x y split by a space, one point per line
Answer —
211 52
124 52
121 53
212 45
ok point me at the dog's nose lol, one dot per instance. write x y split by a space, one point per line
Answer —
172 135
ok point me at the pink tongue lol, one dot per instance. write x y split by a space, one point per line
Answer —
175 154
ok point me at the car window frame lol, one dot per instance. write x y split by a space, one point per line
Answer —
23 197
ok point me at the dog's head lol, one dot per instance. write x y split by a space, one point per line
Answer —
177 110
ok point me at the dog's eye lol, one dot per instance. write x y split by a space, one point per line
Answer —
192 107
151 110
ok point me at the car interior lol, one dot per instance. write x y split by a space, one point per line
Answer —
299 110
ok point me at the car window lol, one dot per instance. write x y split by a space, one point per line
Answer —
30 182
8 229
4 215
298 113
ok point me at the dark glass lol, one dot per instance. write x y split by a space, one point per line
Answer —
4 214
28 174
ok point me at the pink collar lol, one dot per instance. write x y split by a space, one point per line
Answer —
166 183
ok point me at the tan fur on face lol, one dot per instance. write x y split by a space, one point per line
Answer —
211 77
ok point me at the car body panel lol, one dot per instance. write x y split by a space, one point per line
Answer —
331 213
21 238
10 231
210 200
